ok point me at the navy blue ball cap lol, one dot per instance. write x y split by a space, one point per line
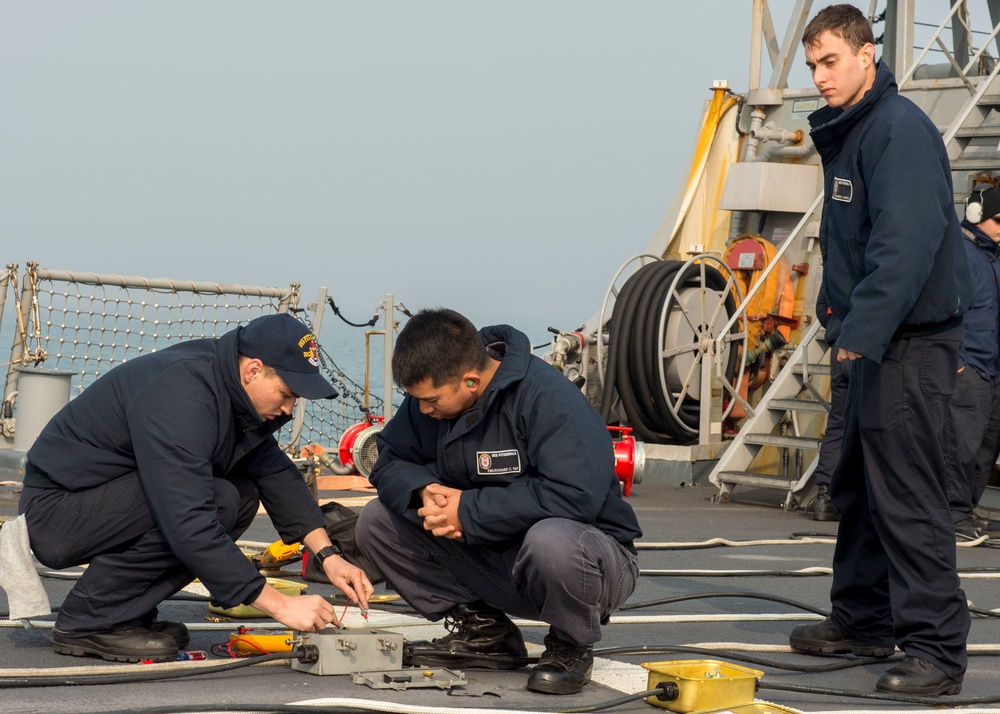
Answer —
286 345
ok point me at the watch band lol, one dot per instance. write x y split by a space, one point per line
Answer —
323 553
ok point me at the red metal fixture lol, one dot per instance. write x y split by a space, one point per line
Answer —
630 457
357 445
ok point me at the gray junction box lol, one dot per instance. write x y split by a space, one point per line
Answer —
343 651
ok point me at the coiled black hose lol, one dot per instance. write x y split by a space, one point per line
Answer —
633 370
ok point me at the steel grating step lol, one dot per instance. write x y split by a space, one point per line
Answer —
990 131
785 442
749 478
817 368
975 164
798 405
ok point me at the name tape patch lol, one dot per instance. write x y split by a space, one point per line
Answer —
843 190
491 463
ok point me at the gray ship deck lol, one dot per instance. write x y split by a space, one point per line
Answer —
747 631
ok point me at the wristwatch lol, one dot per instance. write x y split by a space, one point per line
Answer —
323 553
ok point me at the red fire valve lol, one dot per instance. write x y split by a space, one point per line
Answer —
629 457
349 438
347 442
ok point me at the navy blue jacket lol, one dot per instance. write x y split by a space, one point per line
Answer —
893 265
980 349
179 418
532 447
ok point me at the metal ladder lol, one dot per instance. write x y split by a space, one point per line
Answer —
792 392
972 139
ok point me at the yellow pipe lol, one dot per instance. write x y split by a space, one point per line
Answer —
721 102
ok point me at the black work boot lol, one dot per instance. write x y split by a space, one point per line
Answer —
479 636
968 529
826 638
982 522
130 645
177 630
822 508
563 668
916 676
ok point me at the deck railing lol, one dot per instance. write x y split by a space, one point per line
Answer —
86 323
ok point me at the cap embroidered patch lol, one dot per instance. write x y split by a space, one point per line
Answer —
311 354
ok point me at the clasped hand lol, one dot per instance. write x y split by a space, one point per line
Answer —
440 510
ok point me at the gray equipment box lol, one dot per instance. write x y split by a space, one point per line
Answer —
343 651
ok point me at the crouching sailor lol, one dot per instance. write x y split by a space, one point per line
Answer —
497 494
154 471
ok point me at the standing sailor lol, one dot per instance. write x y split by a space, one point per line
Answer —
896 277
972 435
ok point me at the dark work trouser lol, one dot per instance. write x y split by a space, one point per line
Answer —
972 437
565 573
894 572
989 450
829 450
132 567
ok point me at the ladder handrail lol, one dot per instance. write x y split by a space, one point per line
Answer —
930 43
982 49
741 310
962 115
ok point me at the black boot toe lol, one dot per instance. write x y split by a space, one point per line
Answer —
564 668
916 676
479 636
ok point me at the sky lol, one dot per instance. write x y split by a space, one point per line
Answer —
500 158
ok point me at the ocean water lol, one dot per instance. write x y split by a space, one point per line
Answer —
346 345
